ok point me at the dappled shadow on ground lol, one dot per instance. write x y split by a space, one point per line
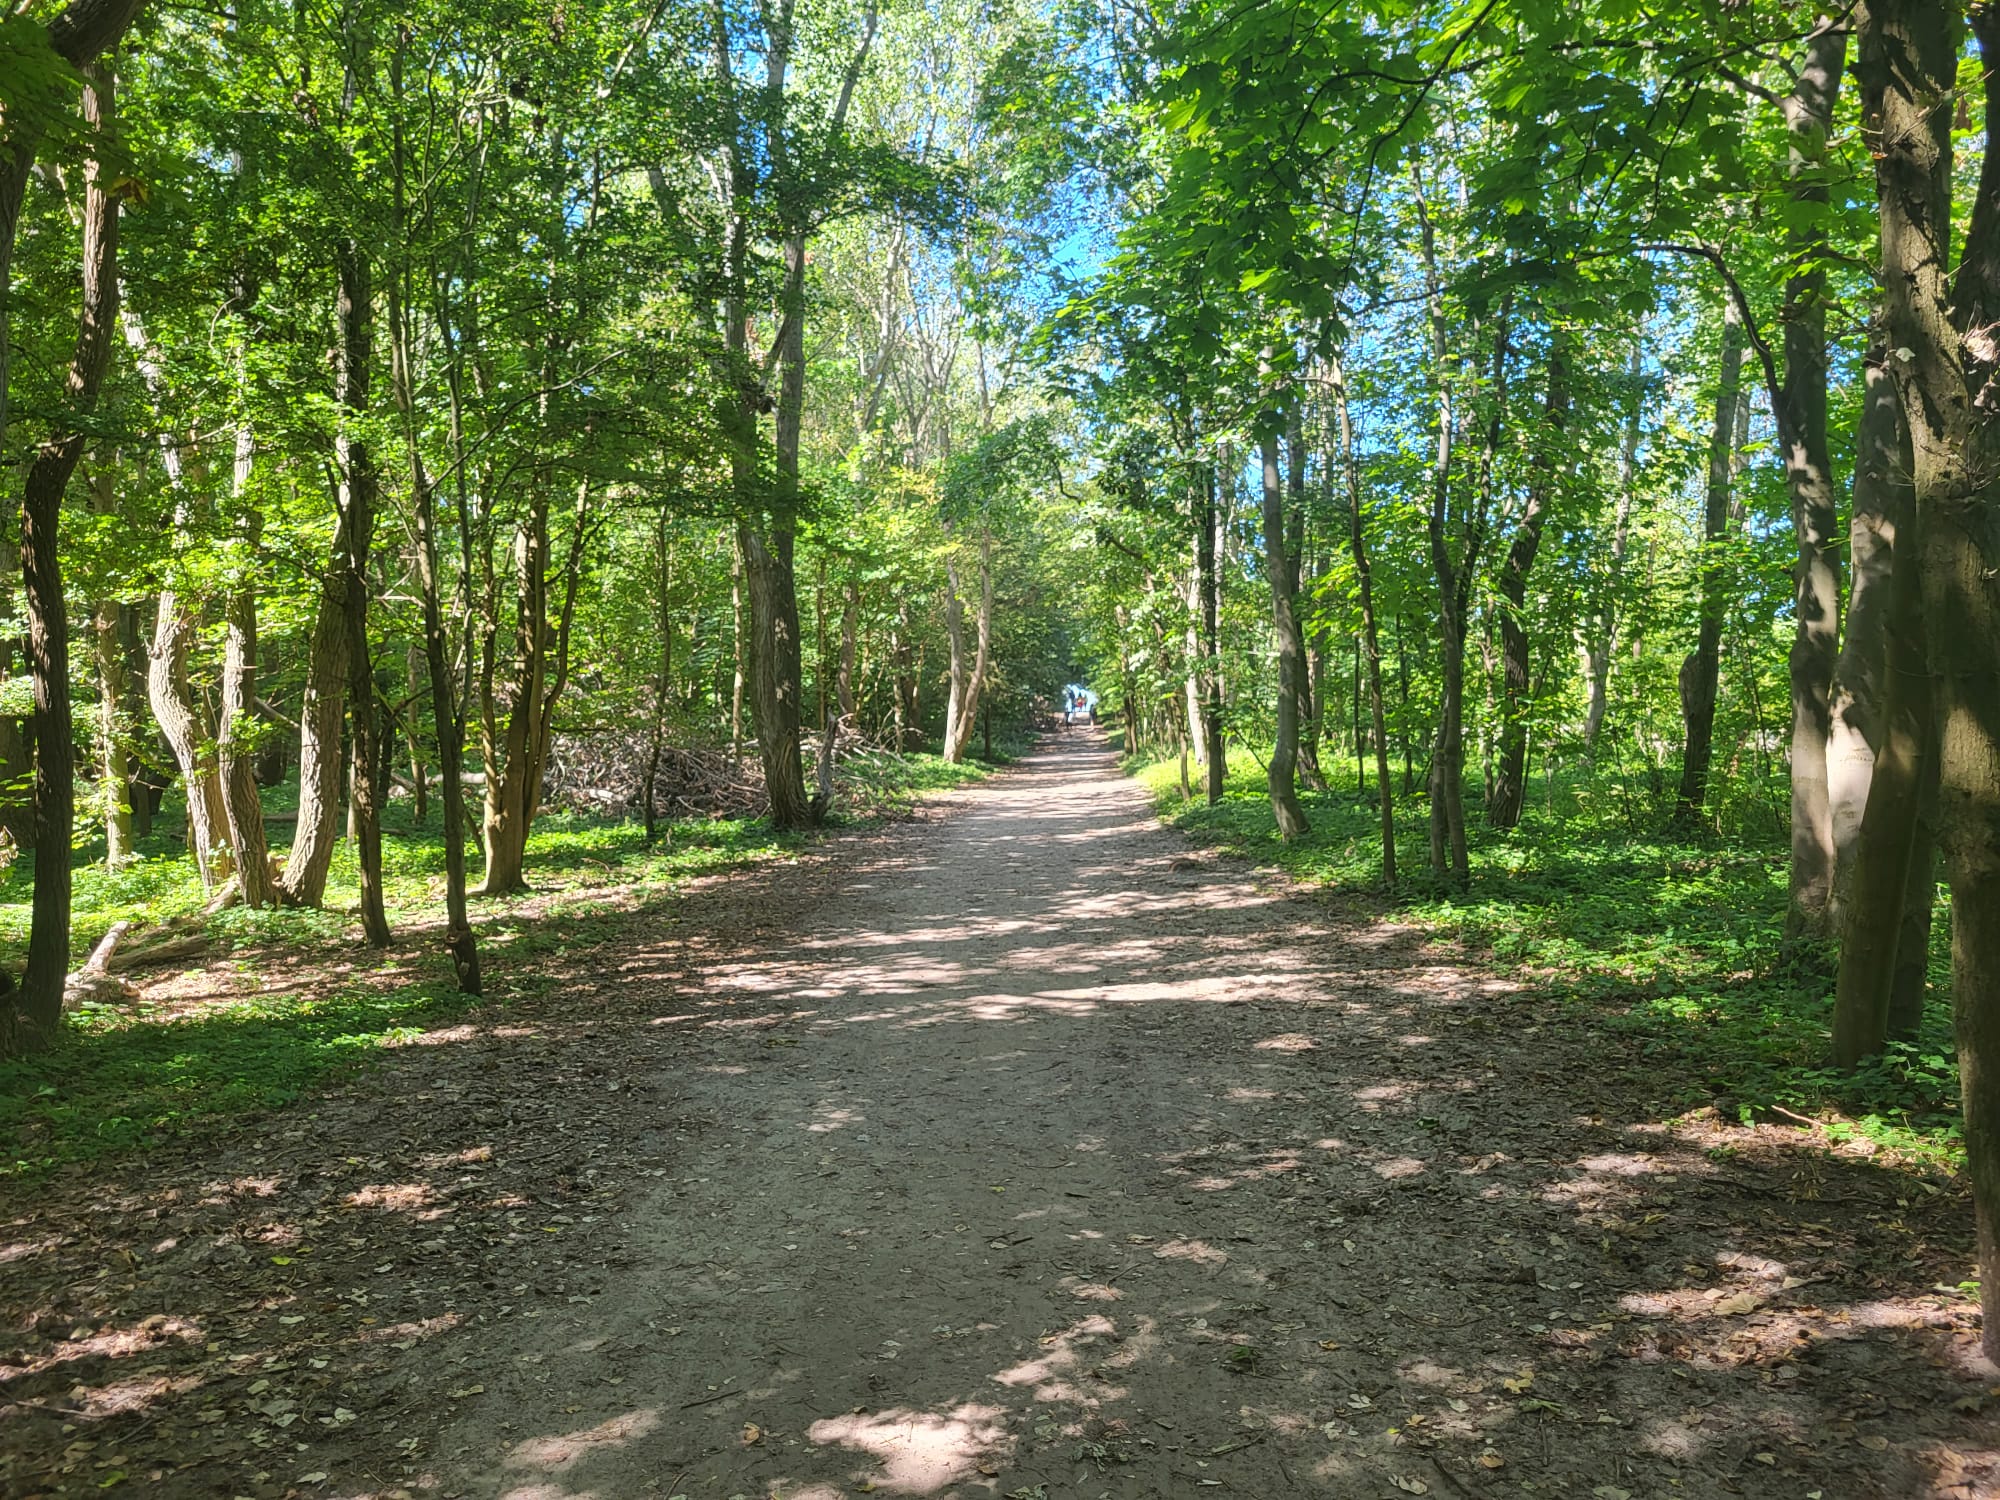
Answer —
1030 1155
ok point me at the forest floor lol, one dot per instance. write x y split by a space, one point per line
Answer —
1022 1150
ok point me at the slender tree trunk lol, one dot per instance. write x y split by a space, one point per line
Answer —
955 668
360 487
969 685
736 649
1207 521
37 1009
1282 771
1449 855
1510 781
909 711
1295 548
1599 652
663 557
513 769
850 648
1371 641
420 775
1809 480
1702 669
113 759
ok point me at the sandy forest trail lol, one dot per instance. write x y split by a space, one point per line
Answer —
1019 1151
1047 1157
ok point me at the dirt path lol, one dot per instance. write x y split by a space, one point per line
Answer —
1050 1158
1018 1152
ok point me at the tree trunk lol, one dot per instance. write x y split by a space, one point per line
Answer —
38 1006
447 704
1882 512
1282 770
850 648
518 756
114 761
1701 670
322 709
1371 640
968 687
360 483
1809 481
1449 855
737 642
236 767
1207 518
1945 357
1295 546
1510 781
656 739
1598 653
909 710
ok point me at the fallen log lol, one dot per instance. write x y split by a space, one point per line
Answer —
93 982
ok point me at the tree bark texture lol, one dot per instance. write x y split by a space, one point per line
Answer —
1510 778
37 1008
1809 480
1701 670
1282 773
1909 68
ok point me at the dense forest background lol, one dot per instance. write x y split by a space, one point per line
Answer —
1529 461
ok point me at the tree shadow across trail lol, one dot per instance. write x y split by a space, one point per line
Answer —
1046 1156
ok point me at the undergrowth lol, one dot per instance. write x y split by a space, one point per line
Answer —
1674 939
124 1076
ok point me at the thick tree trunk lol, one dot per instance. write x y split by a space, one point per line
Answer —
1809 480
1884 708
1510 779
37 1009
322 710
1701 670
1882 512
1281 773
1946 356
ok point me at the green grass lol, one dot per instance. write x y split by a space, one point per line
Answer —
1675 940
125 1076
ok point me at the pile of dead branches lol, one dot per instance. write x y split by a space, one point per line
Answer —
603 773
